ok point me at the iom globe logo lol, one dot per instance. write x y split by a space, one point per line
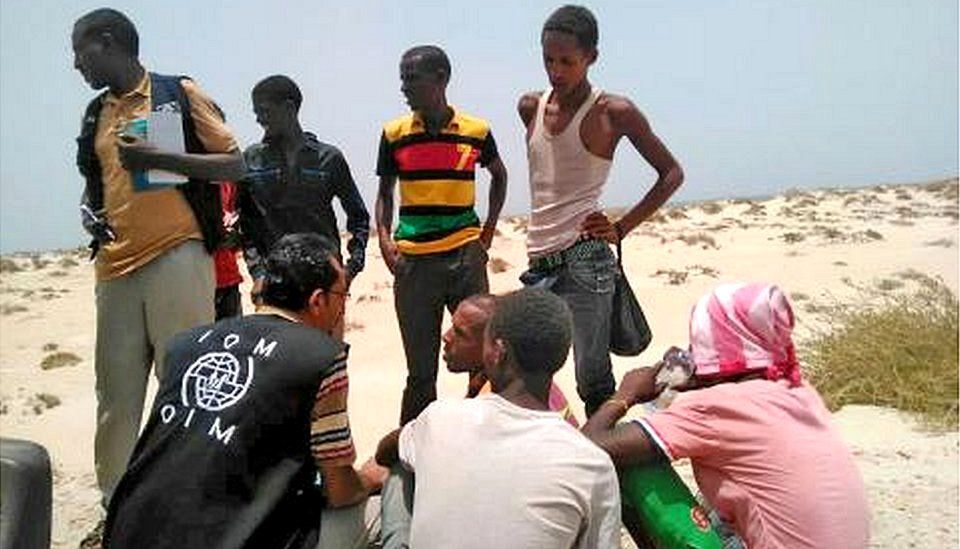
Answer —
216 381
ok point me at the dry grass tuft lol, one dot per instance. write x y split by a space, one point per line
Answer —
38 261
521 224
711 208
793 238
498 265
869 235
59 359
674 277
703 240
43 401
8 265
889 284
352 326
7 309
891 350
677 213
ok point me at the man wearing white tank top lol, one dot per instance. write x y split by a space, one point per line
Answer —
572 132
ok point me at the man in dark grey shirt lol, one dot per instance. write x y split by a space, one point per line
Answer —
291 181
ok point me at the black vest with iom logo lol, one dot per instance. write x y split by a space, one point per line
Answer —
225 459
204 198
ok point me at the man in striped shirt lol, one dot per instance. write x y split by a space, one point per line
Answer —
438 251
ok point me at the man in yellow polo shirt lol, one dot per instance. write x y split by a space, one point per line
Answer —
153 267
438 252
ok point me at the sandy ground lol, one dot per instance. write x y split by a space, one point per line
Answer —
814 244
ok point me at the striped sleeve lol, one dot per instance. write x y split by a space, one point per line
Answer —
330 439
386 163
488 152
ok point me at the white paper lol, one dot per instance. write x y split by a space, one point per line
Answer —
165 131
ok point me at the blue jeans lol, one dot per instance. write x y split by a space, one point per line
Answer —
586 282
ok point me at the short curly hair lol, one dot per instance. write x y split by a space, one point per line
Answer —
575 20
537 327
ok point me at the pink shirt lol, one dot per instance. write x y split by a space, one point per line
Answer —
768 459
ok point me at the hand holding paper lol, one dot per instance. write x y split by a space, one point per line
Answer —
136 154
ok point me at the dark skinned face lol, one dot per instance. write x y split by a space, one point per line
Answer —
422 89
90 57
565 61
276 118
463 342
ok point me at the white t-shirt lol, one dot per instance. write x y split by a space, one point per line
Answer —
492 474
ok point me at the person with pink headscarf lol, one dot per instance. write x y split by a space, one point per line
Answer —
763 448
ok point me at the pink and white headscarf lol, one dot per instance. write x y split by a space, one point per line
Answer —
739 328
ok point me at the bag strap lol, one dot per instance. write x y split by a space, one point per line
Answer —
620 253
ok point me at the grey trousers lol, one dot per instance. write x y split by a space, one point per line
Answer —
343 528
396 508
136 315
424 285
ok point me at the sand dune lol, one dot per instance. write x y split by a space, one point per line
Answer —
815 244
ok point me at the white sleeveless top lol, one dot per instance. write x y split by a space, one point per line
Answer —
565 181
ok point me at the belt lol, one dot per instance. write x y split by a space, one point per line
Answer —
579 250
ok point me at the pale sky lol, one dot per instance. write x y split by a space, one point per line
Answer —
753 97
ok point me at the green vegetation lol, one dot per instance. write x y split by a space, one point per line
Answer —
894 350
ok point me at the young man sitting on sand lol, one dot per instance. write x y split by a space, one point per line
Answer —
763 448
463 352
520 475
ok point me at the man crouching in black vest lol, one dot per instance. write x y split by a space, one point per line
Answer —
249 410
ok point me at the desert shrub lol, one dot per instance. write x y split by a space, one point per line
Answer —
8 265
498 265
711 208
891 350
700 239
793 237
59 359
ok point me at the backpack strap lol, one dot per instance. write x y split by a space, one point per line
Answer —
203 198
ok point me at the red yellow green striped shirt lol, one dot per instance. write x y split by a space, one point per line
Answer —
436 175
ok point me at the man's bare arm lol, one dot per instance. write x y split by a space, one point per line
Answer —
342 486
383 211
137 155
628 121
388 450
498 194
527 109
626 444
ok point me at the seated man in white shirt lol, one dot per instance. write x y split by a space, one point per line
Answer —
520 475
